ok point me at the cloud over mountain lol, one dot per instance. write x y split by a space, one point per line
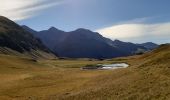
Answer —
138 32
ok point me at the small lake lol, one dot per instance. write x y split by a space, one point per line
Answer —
106 66
114 66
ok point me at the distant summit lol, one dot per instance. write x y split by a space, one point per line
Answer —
82 30
53 29
149 45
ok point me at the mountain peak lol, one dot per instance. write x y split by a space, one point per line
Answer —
117 41
83 30
149 45
53 29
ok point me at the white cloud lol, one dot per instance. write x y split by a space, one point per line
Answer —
23 9
159 33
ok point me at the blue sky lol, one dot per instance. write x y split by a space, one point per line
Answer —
140 19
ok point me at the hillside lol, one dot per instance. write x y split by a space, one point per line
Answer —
15 40
147 78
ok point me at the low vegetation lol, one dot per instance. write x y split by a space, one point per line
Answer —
147 78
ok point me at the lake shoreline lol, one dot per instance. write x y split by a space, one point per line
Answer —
105 66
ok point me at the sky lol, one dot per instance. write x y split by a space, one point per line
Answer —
127 20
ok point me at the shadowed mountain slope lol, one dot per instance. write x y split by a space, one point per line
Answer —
83 43
15 39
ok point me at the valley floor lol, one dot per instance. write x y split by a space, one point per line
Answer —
27 79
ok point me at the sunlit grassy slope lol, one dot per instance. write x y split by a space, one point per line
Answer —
147 78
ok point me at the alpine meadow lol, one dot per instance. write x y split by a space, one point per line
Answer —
84 50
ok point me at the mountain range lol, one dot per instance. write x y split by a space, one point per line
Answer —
83 43
80 43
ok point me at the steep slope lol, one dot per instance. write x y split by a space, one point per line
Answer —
29 29
15 38
158 56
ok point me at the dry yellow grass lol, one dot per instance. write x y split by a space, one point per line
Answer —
147 78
